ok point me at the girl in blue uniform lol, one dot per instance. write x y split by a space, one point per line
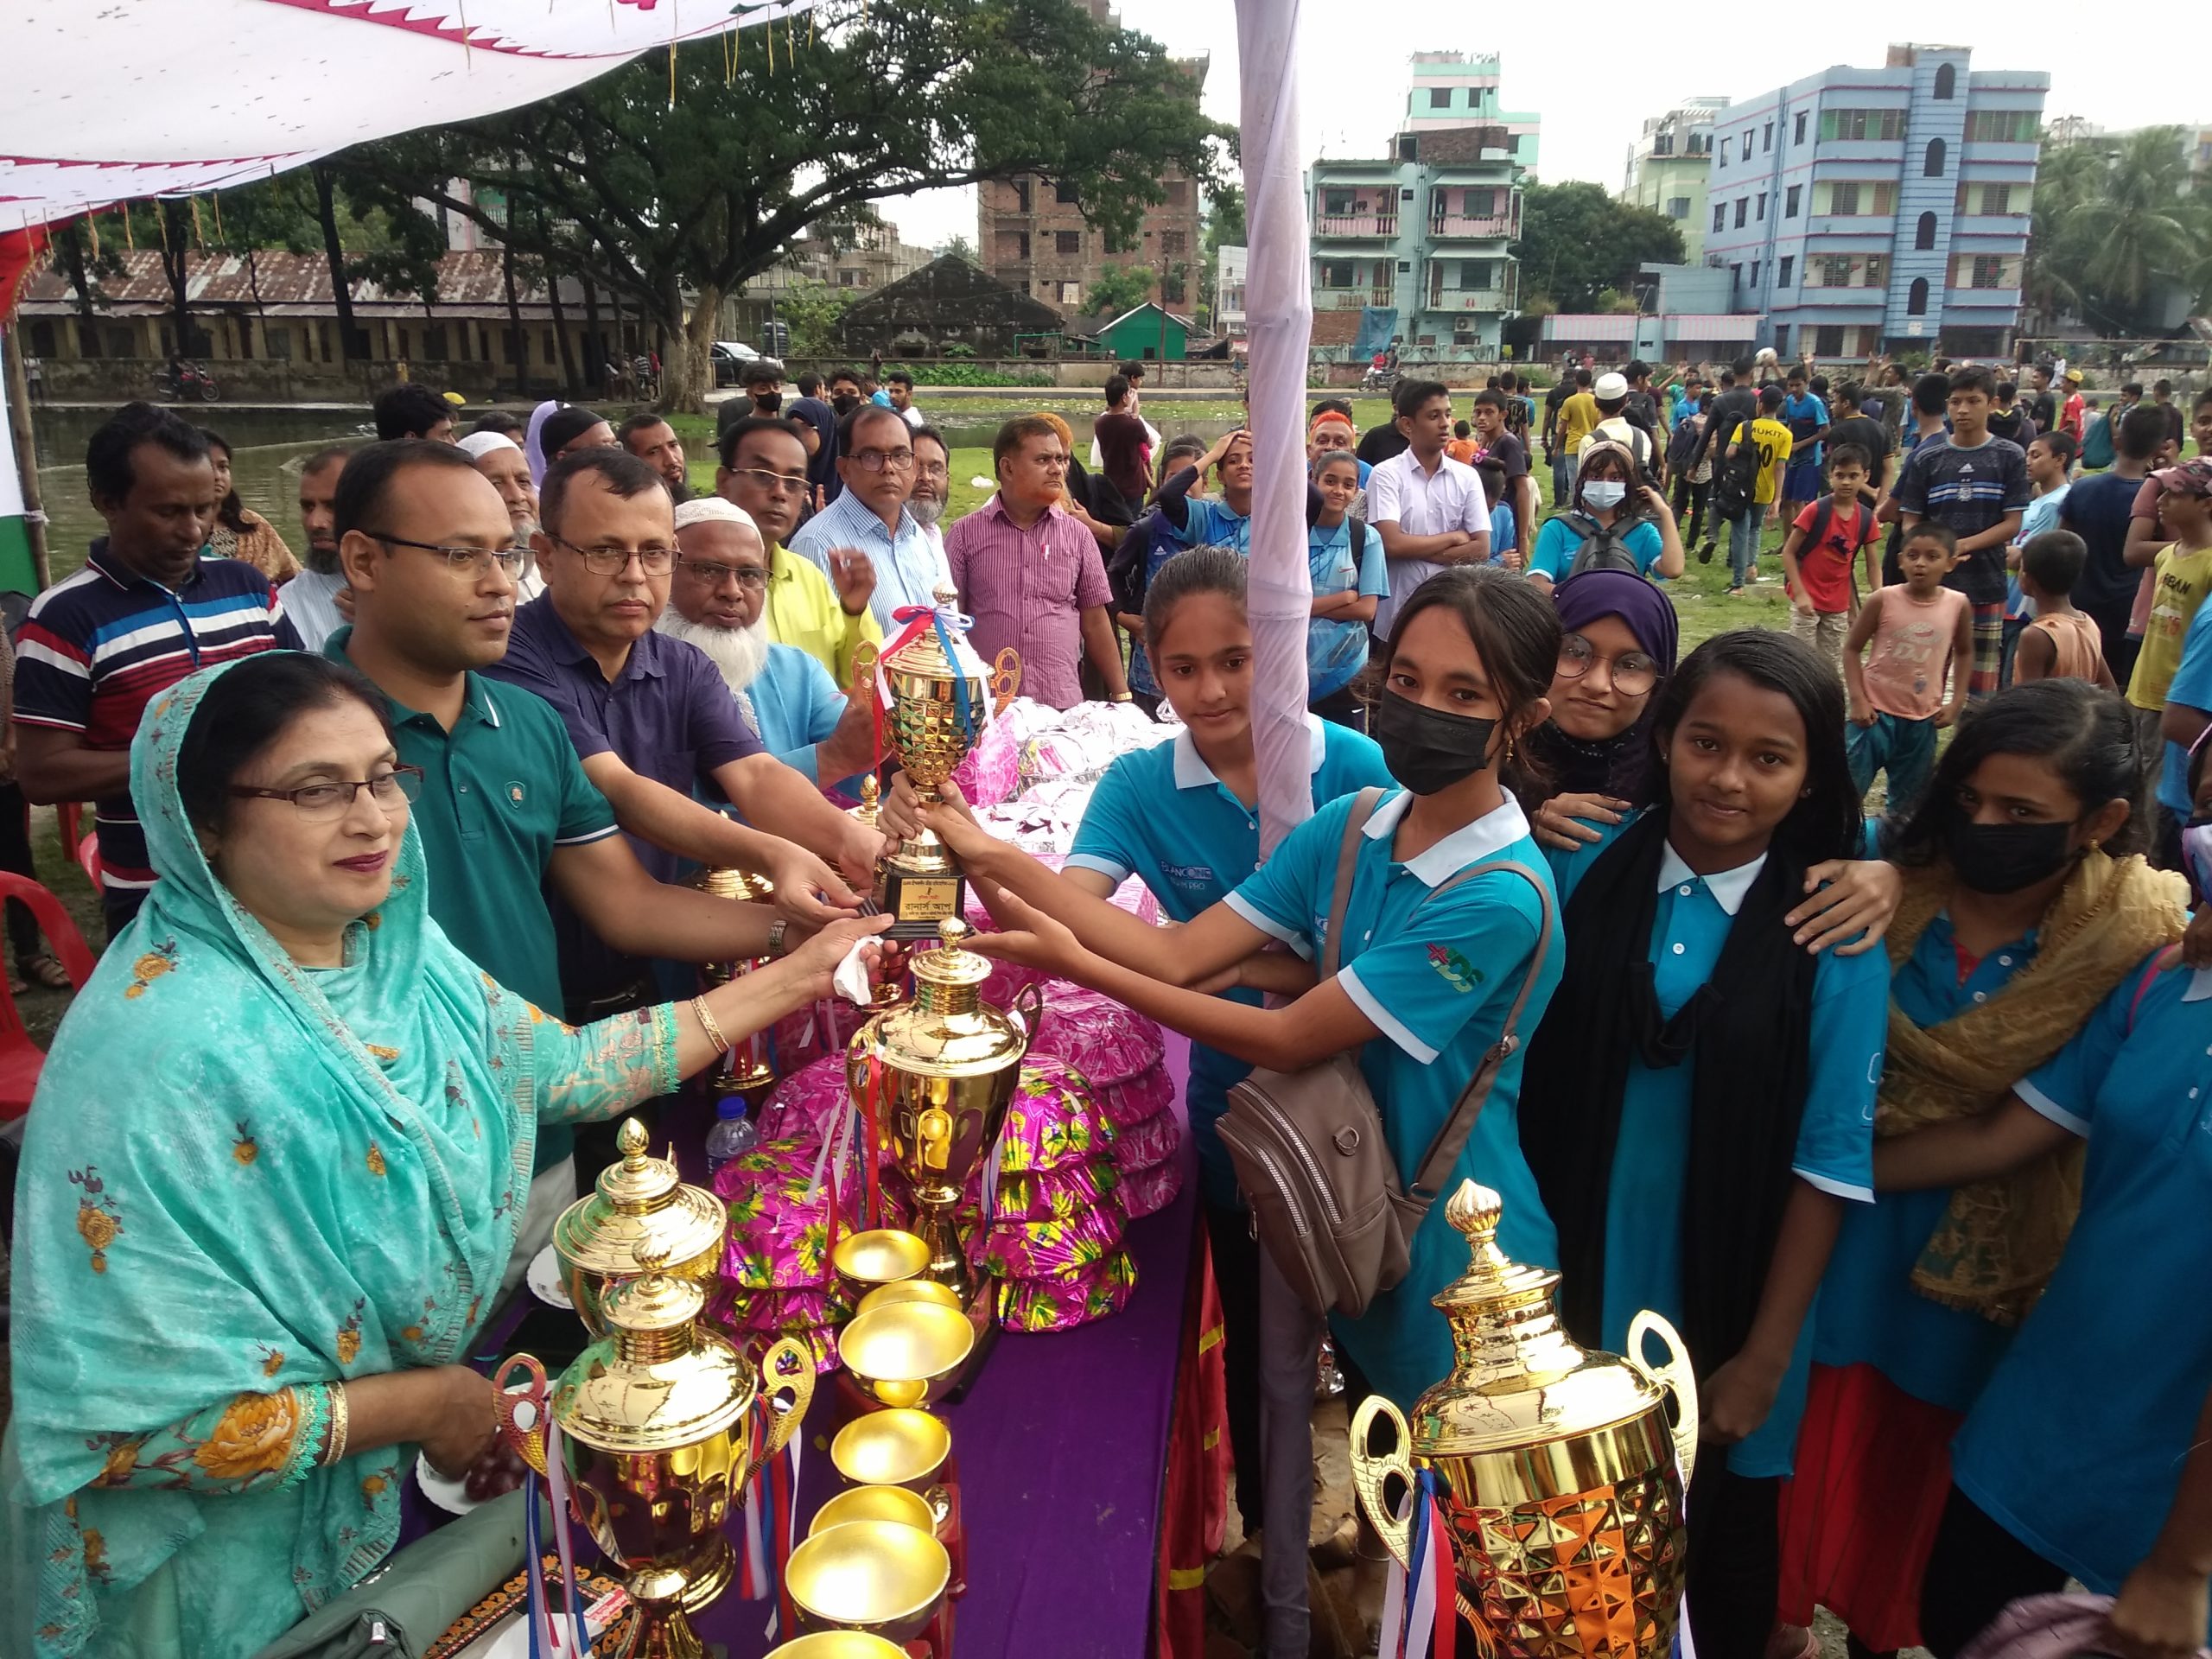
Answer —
2088 1454
2025 904
1183 818
1701 1095
1422 993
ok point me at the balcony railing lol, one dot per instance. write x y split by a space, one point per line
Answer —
1450 224
1471 299
1351 299
1374 225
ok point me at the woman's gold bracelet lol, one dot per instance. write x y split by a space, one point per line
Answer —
334 1444
708 1025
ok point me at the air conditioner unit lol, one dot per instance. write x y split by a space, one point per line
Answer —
1462 325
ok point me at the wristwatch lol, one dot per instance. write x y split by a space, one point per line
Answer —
1119 697
776 932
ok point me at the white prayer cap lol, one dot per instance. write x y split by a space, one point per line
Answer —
712 510
480 444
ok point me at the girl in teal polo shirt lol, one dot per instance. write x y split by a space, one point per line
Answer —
2088 1454
1702 1095
1183 818
2023 905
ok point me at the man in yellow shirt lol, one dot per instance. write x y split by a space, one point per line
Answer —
764 471
1769 439
1577 418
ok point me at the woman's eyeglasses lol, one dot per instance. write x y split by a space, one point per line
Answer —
334 798
1633 673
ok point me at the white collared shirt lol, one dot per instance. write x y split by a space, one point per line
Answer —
1421 503
1726 886
1470 843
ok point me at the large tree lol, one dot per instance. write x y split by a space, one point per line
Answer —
1577 241
671 181
2114 224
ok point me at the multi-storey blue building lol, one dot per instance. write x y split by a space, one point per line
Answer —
1863 210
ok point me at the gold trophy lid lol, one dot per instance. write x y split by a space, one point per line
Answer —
657 1382
951 963
871 804
923 658
945 1031
742 885
641 1201
1517 1380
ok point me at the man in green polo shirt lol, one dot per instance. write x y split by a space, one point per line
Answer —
506 808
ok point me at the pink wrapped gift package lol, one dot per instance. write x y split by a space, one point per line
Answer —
772 1312
802 1107
1106 1040
1092 1293
1052 1121
1147 1191
1134 1100
1048 1249
1058 1194
1149 1144
778 1233
988 772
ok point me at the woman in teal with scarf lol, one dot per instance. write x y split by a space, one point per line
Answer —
273 1173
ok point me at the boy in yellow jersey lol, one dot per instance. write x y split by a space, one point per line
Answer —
1577 418
2182 574
1770 439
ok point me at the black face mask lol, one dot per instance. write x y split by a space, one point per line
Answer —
2005 857
845 402
1427 749
768 403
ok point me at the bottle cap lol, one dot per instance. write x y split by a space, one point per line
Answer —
730 1106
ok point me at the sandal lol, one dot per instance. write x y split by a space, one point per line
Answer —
47 970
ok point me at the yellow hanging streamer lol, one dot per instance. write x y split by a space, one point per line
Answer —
129 242
672 74
771 45
197 235
93 230
217 200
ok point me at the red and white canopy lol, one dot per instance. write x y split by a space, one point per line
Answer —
109 101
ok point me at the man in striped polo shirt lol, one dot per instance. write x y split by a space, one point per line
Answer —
150 607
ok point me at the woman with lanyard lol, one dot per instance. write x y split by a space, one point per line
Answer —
1183 818
1426 984
2026 907
1706 1087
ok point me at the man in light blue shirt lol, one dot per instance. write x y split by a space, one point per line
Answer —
869 519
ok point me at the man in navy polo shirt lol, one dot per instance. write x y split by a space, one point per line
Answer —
651 717
148 608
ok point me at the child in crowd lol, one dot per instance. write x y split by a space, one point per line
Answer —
1921 633
1463 447
1348 582
1769 440
1504 529
1820 555
2180 575
2025 904
1707 1087
2051 461
2061 643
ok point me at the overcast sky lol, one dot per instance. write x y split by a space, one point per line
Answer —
1595 71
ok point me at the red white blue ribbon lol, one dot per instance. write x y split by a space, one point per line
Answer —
1420 1605
547 1638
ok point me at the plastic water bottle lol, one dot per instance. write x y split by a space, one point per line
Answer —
733 1135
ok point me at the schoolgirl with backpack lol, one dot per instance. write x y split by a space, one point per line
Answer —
1616 522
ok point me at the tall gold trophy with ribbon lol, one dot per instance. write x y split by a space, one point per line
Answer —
1557 1479
937 695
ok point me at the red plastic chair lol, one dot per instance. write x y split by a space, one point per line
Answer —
88 857
21 1060
66 817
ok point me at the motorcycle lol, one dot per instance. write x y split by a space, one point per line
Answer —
1379 379
186 383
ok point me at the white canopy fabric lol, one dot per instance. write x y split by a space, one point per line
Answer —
111 100
1279 311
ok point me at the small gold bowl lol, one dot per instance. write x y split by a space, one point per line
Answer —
909 1290
908 1354
881 1255
874 1503
839 1644
879 1576
892 1448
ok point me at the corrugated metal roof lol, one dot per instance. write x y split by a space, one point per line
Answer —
1591 325
1731 326
470 283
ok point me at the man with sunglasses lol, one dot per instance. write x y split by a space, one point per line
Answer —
869 519
764 474
652 719
506 812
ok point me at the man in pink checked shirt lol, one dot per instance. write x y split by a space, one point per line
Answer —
1032 577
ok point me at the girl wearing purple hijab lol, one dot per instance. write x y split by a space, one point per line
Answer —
1617 644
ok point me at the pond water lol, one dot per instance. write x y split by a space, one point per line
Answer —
267 448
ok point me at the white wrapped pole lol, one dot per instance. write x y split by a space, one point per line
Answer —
1279 306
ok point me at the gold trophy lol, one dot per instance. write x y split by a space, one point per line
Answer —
1561 1483
744 1070
662 1425
641 1204
945 1066
919 884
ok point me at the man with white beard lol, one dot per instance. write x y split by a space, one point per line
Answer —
500 459
715 602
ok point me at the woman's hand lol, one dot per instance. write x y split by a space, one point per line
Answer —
1560 821
808 891
976 847
1736 1398
818 959
2160 1613
1861 896
465 1423
900 812
1027 934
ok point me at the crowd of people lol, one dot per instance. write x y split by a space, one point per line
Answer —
1897 1116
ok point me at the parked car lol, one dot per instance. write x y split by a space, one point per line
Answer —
730 357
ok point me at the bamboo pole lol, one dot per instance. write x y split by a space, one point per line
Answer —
19 424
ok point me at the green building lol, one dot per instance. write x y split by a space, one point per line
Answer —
1142 333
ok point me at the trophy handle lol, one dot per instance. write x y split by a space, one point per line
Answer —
864 656
1006 679
1675 1377
1370 1473
522 1416
784 1369
1028 1008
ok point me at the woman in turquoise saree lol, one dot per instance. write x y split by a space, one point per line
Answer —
273 1172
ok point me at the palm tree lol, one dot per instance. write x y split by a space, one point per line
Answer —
2139 229
2067 178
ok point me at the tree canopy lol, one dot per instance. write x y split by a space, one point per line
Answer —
1577 241
1118 288
2115 229
671 180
